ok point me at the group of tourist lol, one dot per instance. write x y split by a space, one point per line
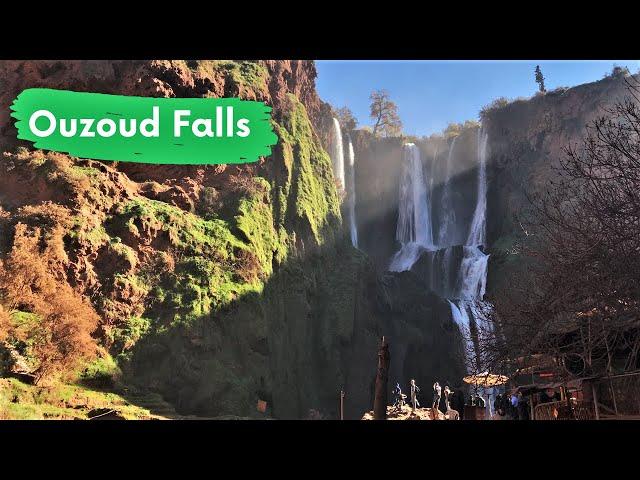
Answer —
453 402
512 406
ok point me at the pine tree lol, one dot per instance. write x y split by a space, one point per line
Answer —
540 79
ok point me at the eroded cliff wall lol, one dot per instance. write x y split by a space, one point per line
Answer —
217 286
526 140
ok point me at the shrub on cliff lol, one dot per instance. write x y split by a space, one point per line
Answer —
346 118
497 104
5 323
617 72
59 336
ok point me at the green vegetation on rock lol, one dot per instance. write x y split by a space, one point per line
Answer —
313 191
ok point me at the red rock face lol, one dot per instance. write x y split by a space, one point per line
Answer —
180 186
155 78
160 78
297 77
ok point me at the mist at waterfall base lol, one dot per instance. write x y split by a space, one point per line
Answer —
348 186
457 266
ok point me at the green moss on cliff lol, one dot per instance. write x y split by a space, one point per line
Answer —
184 230
251 323
243 73
255 222
312 195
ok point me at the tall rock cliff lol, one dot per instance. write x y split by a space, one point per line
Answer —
217 286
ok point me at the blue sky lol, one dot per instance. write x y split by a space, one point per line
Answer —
432 94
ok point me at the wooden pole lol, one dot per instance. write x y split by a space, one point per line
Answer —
382 376
531 408
613 392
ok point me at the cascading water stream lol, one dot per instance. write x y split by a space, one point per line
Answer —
473 268
460 315
413 229
448 220
477 234
337 153
351 193
337 161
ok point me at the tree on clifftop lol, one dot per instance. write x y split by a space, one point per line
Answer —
347 121
540 79
384 112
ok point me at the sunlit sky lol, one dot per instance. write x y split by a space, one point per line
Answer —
432 94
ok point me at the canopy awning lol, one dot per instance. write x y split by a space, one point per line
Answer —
486 379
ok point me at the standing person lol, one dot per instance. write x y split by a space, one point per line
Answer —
437 394
496 404
414 395
523 408
457 401
514 406
451 413
399 397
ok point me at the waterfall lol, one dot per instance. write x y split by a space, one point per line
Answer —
473 274
432 171
414 213
413 229
477 234
448 221
473 269
337 153
351 193
460 316
453 267
456 267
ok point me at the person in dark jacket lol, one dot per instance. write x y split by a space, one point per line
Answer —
498 405
523 408
457 402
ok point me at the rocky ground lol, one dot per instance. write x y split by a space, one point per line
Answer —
406 414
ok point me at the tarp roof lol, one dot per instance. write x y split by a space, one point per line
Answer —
540 387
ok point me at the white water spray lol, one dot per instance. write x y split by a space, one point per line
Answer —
473 274
413 229
474 265
351 192
337 153
477 234
473 269
448 223
460 316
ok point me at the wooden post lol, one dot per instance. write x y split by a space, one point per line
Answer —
531 408
382 376
613 392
